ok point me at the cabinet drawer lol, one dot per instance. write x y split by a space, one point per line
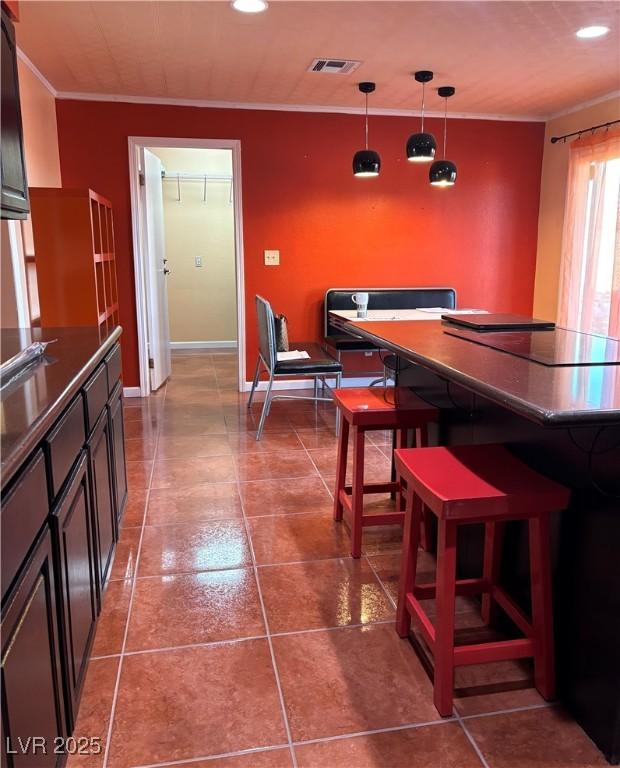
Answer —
113 365
64 443
24 510
96 394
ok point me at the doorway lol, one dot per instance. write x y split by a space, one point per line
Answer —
188 252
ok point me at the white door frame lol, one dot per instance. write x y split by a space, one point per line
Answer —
135 143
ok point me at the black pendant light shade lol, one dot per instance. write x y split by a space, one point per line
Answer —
366 162
442 173
421 146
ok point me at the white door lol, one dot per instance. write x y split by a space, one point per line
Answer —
157 271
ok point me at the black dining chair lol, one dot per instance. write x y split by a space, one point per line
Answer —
318 365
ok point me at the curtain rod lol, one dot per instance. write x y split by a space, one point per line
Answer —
555 139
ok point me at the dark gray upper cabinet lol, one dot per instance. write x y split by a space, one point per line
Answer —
14 202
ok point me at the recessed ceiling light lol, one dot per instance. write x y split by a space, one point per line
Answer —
249 6
594 31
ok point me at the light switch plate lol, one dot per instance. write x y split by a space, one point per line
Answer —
198 261
272 258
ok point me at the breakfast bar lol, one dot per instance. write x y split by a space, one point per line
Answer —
562 418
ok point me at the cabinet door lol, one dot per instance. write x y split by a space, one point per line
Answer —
118 449
104 507
32 698
77 577
14 184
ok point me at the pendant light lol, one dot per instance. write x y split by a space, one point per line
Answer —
421 146
442 172
366 162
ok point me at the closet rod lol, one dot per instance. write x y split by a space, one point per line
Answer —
196 177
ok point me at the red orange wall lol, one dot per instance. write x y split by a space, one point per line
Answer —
300 197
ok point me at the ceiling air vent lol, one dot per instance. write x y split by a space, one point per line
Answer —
334 66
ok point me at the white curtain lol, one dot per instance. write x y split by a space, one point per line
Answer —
589 298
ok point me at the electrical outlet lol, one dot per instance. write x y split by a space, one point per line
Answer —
272 258
198 261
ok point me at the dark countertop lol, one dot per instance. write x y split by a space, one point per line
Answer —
32 402
577 395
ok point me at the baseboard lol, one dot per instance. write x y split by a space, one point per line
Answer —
132 392
203 344
309 383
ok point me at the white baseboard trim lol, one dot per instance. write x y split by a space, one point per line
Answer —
309 384
132 392
232 344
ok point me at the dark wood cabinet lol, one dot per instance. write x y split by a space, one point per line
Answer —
102 485
118 449
14 198
76 562
32 691
59 526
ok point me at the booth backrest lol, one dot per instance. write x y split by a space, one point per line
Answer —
386 298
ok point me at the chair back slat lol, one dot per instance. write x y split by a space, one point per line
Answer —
266 332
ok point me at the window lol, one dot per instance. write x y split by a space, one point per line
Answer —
589 297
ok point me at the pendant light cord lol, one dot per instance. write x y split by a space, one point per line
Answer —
445 129
366 120
423 91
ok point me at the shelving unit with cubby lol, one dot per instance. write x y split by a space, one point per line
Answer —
75 258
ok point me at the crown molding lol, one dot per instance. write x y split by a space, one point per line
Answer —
584 105
36 72
208 104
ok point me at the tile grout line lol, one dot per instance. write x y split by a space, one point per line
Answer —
306 742
380 580
471 739
249 566
388 729
274 663
221 756
131 597
309 455
236 640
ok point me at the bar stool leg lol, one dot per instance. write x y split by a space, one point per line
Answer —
409 560
426 524
341 466
493 540
357 492
400 441
444 628
542 606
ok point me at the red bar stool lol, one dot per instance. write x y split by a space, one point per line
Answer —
364 409
477 484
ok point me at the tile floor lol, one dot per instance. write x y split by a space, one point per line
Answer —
236 630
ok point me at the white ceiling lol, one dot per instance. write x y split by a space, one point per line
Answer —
505 58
